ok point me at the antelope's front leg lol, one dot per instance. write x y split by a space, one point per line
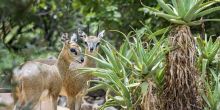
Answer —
71 102
78 101
54 99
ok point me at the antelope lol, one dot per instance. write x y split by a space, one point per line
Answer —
74 83
33 78
92 44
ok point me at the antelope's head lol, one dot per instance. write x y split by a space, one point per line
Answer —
92 42
72 50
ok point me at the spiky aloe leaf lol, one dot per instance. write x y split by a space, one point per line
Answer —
208 11
177 21
199 22
190 14
184 12
205 5
165 7
101 62
159 32
181 5
103 85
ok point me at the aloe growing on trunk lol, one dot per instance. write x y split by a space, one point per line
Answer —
180 91
180 77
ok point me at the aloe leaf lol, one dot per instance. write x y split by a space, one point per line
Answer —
206 99
147 8
96 87
119 100
204 6
204 65
102 62
165 7
124 90
177 21
187 5
181 6
159 32
208 11
199 22
104 84
136 59
124 58
111 57
175 5
214 53
166 16
190 14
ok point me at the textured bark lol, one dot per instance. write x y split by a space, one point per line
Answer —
150 99
180 88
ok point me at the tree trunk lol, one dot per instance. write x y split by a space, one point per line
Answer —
180 91
150 99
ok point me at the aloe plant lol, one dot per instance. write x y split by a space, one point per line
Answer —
209 65
124 72
181 73
207 49
211 94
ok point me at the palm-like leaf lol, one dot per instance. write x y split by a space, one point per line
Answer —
185 11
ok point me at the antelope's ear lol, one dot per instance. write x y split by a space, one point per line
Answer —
101 34
64 37
81 34
73 38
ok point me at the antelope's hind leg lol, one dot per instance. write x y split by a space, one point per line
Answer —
54 100
71 102
31 100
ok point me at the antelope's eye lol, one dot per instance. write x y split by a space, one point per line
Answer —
86 43
73 51
97 44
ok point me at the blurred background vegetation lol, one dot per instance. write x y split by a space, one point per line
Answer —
31 29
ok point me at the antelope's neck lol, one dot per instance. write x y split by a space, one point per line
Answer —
63 62
90 62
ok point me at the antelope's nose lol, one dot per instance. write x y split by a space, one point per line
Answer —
82 60
91 49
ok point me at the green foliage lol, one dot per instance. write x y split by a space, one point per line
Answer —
125 71
185 12
207 50
209 65
212 94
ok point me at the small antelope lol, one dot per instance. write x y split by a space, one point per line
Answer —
34 77
74 83
91 43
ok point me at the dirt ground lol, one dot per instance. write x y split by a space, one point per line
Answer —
46 104
92 101
8 103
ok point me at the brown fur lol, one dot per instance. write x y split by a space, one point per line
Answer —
74 83
79 81
34 77
47 61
